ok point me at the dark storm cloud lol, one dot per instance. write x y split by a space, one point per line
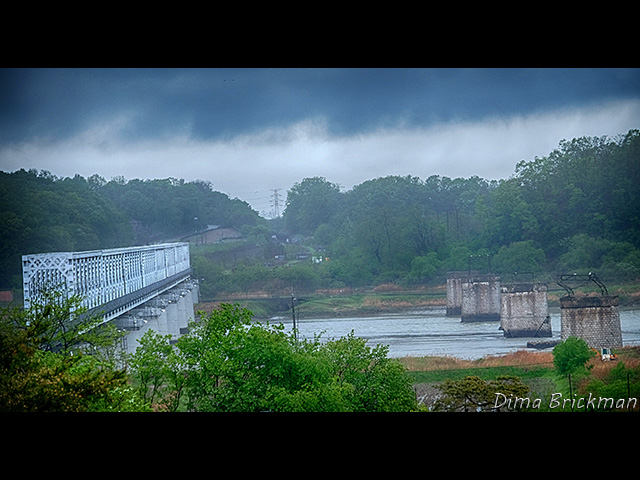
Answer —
222 103
250 131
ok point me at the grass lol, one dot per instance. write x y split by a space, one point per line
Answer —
523 364
369 303
323 306
377 300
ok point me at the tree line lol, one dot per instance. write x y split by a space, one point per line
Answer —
573 210
225 363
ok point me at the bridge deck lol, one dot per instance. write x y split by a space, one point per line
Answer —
110 281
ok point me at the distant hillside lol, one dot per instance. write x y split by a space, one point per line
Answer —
573 211
42 213
576 209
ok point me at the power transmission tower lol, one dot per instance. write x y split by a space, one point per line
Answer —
275 202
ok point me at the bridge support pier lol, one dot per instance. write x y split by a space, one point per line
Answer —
481 298
168 314
524 310
595 319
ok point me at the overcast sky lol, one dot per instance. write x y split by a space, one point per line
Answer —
250 131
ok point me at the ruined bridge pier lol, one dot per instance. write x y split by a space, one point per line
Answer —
480 298
525 310
594 318
521 308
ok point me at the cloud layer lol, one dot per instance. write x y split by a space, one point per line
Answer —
299 124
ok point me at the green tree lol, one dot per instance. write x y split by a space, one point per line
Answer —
234 364
510 218
585 186
375 382
519 257
42 370
57 322
585 253
311 203
424 268
301 276
149 365
570 356
383 213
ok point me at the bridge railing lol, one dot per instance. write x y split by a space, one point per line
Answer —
106 278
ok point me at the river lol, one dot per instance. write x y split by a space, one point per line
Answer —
429 331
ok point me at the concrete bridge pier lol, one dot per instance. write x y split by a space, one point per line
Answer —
192 297
594 318
136 324
167 314
172 313
184 312
481 298
524 310
454 292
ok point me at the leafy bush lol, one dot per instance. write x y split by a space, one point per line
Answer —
570 357
45 369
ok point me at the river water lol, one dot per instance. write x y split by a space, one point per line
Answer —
429 331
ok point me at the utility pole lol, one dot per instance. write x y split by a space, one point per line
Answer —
275 203
293 313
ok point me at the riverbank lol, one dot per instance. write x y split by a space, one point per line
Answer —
335 303
535 369
383 299
428 356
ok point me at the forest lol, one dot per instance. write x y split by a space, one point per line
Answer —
42 213
573 210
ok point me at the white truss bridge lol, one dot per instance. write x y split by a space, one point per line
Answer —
109 282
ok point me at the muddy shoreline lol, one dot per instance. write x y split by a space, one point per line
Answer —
363 304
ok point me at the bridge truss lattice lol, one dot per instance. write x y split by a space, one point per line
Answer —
109 282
